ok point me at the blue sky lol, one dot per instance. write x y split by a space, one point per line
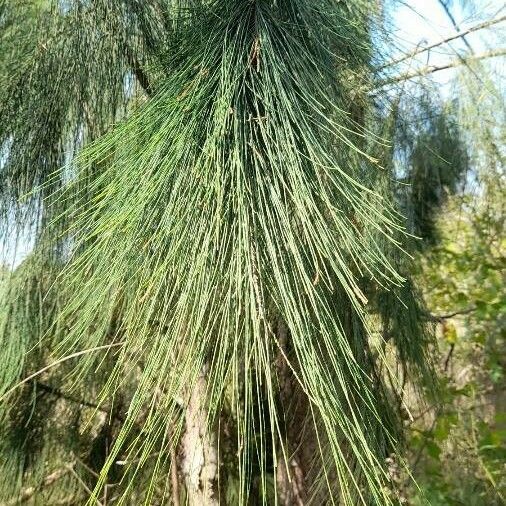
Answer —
426 19
425 22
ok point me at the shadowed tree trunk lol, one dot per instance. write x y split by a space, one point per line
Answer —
293 465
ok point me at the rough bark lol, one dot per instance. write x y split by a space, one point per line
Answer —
199 463
291 486
291 471
174 478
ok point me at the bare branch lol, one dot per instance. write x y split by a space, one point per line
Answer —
430 69
441 318
448 12
422 50
27 493
449 357
62 395
138 71
57 363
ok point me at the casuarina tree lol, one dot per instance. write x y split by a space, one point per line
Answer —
216 305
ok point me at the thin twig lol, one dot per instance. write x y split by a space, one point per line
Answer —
86 466
449 316
449 357
62 395
420 415
83 485
430 69
419 51
58 362
445 7
133 461
138 71
27 493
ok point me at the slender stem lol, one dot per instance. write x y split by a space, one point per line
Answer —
27 493
62 395
449 316
448 12
430 69
418 51
57 363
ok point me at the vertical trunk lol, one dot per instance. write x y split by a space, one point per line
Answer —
199 449
174 478
290 483
291 471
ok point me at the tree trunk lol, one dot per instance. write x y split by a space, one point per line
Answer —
199 449
290 473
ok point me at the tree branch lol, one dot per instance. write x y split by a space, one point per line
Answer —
27 493
138 71
449 357
430 69
441 318
418 51
57 363
445 7
62 395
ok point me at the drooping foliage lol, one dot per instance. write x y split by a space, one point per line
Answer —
432 160
218 289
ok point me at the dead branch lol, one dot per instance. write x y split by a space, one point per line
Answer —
430 69
418 51
27 493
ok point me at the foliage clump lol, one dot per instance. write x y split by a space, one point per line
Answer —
218 305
